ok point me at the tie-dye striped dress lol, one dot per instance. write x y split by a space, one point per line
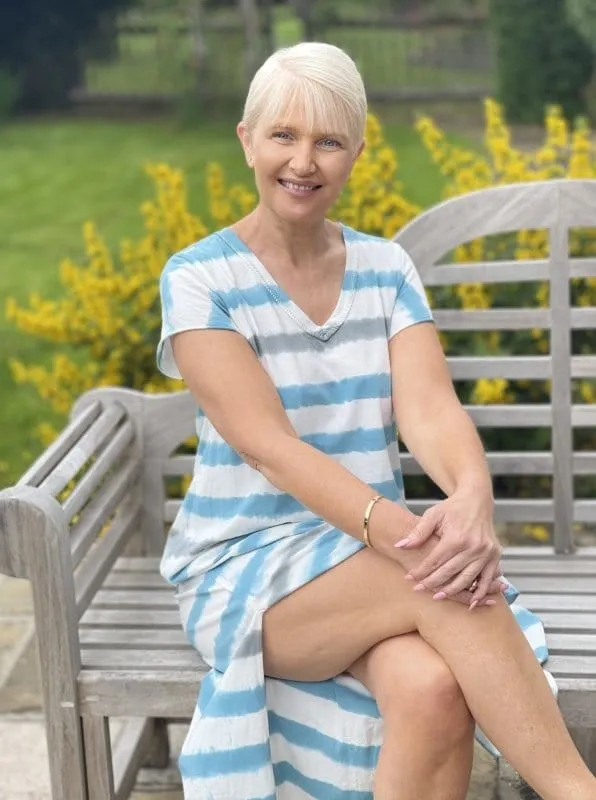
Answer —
238 544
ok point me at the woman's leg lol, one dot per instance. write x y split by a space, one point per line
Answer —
428 731
340 615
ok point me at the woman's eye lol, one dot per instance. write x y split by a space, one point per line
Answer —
330 143
284 135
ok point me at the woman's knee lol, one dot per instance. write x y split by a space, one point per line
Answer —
417 693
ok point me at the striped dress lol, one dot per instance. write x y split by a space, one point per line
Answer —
238 544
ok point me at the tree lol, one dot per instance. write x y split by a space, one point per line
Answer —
583 15
541 59
42 46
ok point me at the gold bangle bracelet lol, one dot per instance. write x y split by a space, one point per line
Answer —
369 508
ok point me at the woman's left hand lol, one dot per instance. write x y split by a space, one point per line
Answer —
468 548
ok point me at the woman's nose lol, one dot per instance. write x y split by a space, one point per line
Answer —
303 161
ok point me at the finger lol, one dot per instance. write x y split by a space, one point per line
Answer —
486 578
422 531
444 574
462 581
441 553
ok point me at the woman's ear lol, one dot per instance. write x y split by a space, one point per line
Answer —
360 150
244 137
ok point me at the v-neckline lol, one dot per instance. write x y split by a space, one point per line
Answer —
325 330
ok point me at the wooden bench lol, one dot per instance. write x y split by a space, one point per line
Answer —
110 640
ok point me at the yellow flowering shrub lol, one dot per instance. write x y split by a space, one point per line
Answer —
107 321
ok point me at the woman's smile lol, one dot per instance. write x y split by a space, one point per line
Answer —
299 188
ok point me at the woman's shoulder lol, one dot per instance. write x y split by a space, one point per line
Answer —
211 249
386 254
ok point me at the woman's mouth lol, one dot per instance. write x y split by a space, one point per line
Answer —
298 189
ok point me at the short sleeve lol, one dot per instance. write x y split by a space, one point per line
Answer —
188 302
411 305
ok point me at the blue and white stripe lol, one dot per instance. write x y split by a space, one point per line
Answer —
239 544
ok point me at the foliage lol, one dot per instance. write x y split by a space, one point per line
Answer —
41 42
107 321
583 15
541 58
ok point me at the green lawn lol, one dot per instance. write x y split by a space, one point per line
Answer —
56 174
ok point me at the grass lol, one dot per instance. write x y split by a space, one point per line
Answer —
55 174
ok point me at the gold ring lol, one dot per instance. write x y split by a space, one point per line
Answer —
474 585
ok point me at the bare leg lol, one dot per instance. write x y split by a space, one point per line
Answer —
428 731
366 600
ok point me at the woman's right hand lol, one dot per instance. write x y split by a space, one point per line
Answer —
388 528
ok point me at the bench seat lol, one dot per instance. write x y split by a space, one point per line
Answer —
133 649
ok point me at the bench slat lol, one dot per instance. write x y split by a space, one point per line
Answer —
107 459
101 508
558 602
129 618
556 566
111 599
559 584
94 569
563 622
133 639
92 440
137 580
48 460
144 660
572 644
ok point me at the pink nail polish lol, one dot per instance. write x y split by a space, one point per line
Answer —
491 603
402 543
420 587
473 606
439 596
408 577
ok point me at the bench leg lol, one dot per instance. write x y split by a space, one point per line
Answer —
158 756
585 741
98 758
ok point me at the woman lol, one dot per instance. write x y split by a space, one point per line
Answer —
303 342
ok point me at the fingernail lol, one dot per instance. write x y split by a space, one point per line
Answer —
420 587
473 606
402 543
439 596
408 577
491 603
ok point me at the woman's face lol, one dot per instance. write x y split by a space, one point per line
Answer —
299 174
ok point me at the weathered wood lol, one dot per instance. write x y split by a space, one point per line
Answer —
98 758
105 461
127 618
488 272
131 638
145 660
130 749
71 434
562 433
35 535
161 693
101 508
75 459
94 569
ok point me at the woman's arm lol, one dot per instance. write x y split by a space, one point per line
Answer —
443 439
431 421
240 400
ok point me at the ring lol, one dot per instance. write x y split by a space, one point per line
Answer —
474 585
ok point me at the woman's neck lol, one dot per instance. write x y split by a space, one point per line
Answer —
298 244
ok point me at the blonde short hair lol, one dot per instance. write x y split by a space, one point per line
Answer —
320 79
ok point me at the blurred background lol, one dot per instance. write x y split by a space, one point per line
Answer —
117 147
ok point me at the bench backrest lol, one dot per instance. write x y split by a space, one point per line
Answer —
123 444
556 207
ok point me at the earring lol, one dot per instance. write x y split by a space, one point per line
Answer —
249 160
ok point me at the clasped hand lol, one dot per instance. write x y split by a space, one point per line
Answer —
467 550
